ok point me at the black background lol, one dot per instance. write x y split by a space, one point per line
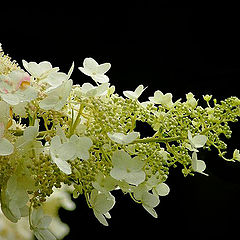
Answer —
171 48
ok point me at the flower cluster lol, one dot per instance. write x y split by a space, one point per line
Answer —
55 133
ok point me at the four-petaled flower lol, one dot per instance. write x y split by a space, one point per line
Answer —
163 99
122 138
14 199
39 225
39 70
126 168
198 165
57 97
101 204
94 70
134 94
15 88
62 152
198 141
148 200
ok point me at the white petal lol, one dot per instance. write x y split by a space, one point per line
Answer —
162 189
100 78
150 210
49 102
30 133
6 148
103 68
100 217
90 64
85 71
199 141
63 165
139 90
135 178
130 95
83 145
10 98
2 129
66 151
201 165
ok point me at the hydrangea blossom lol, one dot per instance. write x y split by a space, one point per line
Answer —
88 90
14 199
15 88
127 168
57 97
148 200
122 138
39 70
101 204
28 140
81 146
157 186
236 155
163 99
40 224
134 94
94 70
198 165
196 142
55 79
62 152
191 101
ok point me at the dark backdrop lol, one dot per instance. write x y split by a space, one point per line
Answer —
170 48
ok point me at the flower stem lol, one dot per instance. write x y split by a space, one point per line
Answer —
159 139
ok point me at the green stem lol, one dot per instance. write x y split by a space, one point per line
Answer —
160 139
77 120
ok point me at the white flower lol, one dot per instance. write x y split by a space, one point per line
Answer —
39 225
28 140
191 101
198 165
157 187
15 88
6 147
61 152
148 200
39 70
236 155
57 97
14 199
1 47
88 90
127 168
81 145
104 184
197 141
101 204
55 79
122 138
63 149
163 99
94 70
136 94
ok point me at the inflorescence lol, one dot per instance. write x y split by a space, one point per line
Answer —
55 133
